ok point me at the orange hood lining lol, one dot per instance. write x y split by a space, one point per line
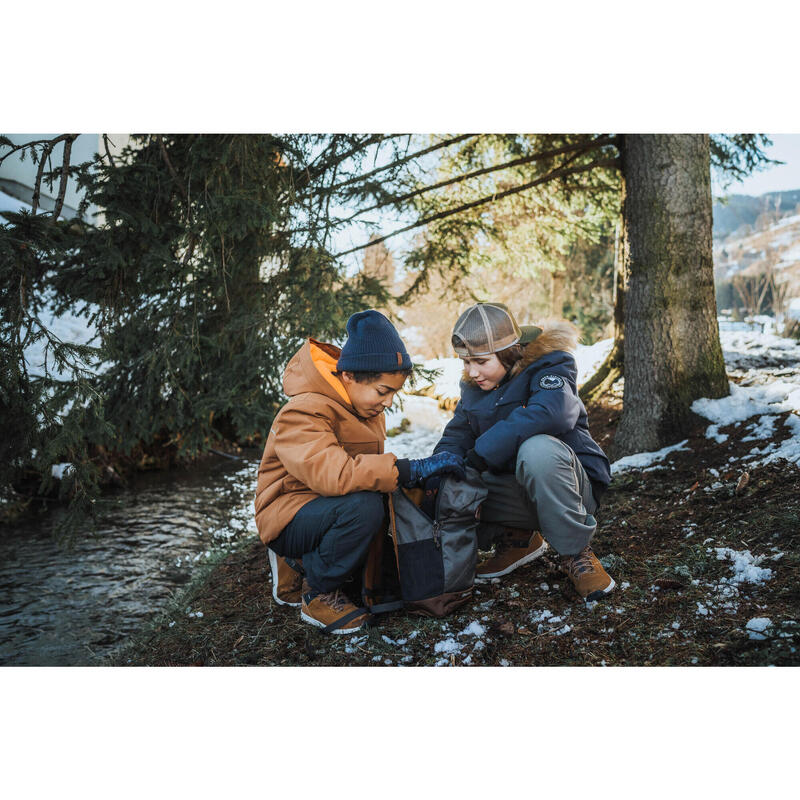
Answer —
326 365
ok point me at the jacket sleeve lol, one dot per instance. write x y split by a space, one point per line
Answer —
309 451
550 411
457 436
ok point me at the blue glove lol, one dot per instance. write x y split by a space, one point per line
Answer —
412 471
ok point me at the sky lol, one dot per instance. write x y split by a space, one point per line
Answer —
785 147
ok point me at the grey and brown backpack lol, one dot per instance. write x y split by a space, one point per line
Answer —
434 558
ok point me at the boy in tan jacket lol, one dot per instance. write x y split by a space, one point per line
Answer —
322 479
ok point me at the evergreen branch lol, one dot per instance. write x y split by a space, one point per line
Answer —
307 175
171 168
32 145
558 173
399 162
375 138
577 149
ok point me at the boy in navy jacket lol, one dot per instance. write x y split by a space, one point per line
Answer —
521 423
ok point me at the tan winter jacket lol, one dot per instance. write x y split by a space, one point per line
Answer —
318 446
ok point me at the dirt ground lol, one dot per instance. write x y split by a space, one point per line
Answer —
658 535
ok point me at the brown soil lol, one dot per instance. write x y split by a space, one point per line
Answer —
657 535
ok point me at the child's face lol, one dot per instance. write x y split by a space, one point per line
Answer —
486 371
370 399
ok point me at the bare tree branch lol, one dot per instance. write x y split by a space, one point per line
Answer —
108 151
37 184
558 173
62 189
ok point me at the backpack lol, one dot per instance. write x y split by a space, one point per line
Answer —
434 559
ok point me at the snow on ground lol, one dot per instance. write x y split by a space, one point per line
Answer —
456 644
757 626
590 357
745 566
766 401
641 460
9 203
447 384
70 328
742 349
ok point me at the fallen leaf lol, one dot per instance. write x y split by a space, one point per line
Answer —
506 627
744 479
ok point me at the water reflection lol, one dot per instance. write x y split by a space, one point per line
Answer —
75 606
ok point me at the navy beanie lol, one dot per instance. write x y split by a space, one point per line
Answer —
373 345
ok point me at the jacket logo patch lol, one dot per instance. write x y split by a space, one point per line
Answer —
551 382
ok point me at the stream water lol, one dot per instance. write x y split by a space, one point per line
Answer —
67 606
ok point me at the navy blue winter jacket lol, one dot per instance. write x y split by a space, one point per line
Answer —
541 398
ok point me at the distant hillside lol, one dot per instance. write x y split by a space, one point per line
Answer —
742 209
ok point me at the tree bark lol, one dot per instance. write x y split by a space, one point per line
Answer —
672 349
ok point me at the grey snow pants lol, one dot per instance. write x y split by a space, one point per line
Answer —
549 492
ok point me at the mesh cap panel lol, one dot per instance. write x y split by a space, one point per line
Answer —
483 329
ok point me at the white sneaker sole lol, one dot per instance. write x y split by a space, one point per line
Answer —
273 566
485 576
317 624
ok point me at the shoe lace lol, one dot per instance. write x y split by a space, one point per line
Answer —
337 600
581 563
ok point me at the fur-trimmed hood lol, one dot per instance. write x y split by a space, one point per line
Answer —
556 335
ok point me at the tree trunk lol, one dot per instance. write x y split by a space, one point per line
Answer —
672 350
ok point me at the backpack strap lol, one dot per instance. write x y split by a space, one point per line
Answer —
393 529
372 577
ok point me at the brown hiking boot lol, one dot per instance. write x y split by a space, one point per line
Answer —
331 611
586 572
287 583
514 549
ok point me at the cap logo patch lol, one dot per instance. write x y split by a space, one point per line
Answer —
551 382
399 359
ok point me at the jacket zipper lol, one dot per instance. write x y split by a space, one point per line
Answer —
437 543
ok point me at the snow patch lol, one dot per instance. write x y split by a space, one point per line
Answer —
757 627
59 471
473 629
639 460
745 566
590 357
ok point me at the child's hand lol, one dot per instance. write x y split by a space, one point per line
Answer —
412 471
